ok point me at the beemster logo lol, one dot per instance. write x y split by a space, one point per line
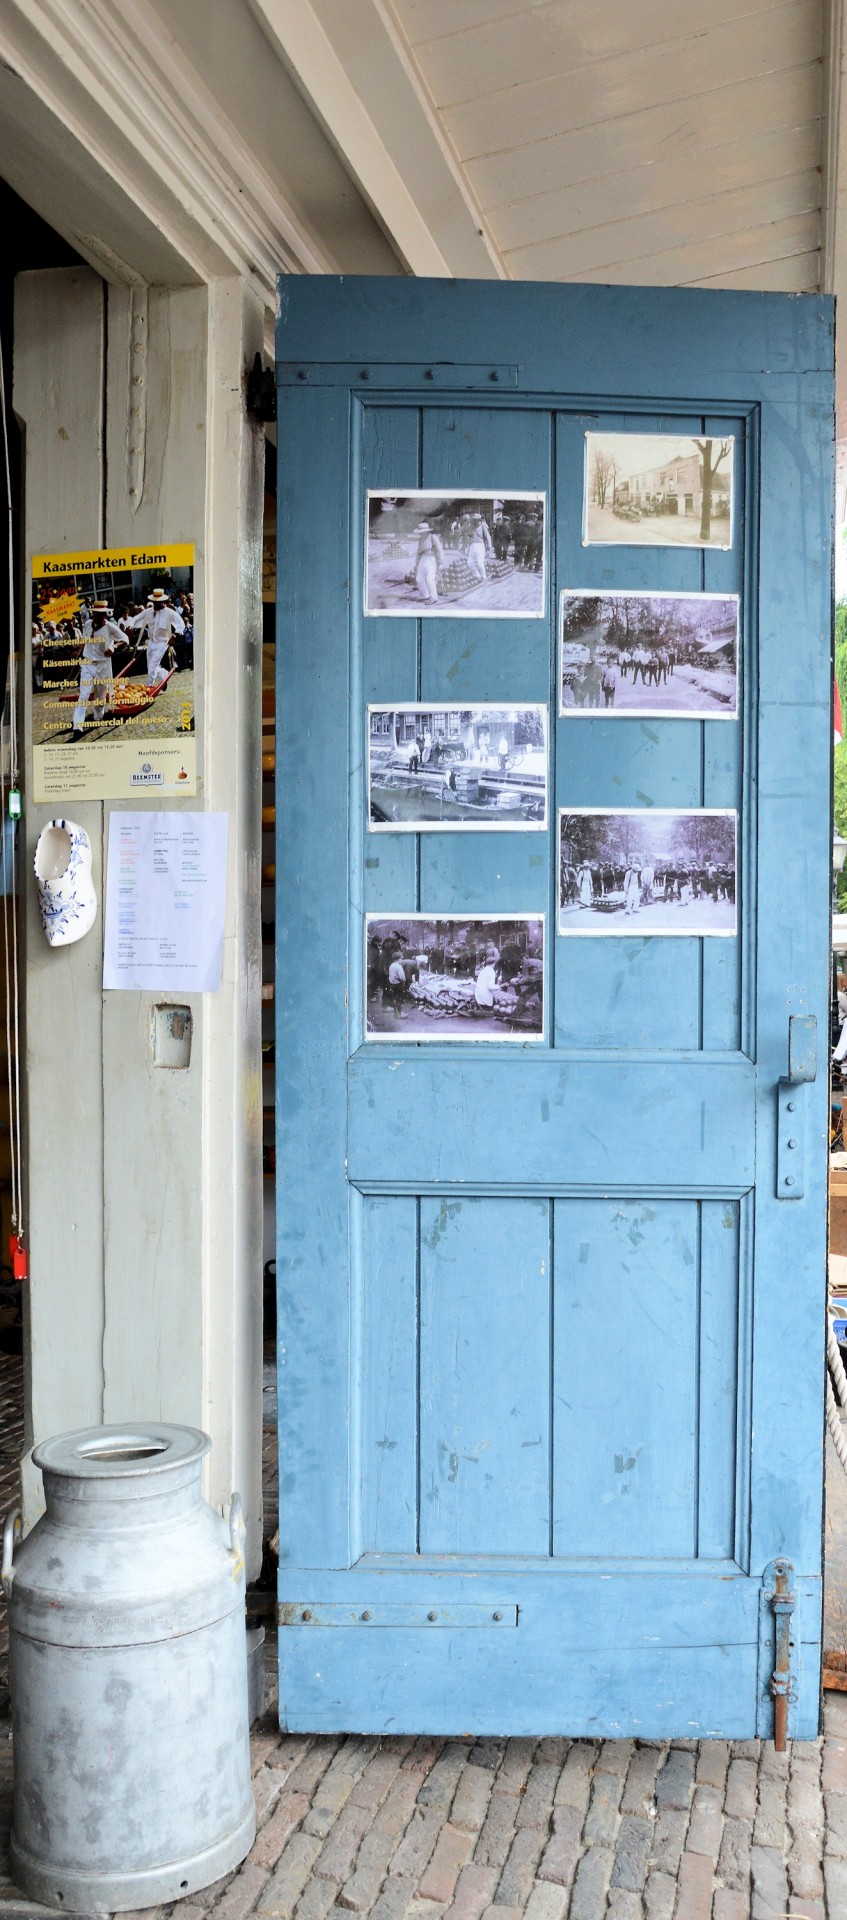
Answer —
147 776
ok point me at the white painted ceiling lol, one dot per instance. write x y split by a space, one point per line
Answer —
648 141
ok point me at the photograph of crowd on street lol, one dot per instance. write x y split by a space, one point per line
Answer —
454 978
657 490
112 653
646 870
441 768
669 655
466 554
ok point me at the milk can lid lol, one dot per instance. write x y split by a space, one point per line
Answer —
107 1453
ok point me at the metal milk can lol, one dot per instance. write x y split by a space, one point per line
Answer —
128 1675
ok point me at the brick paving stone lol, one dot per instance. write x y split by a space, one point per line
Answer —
729 1904
553 1748
289 1751
267 1787
835 1884
453 1850
640 1783
747 1750
558 1862
335 1860
804 1802
337 1784
770 1881
675 1779
705 1826
632 1852
601 1820
615 1756
696 1878
440 1785
395 1899
734 1856
772 1764
769 1824
372 1785
668 1840
712 1763
519 1872
361 1890
498 1832
806 1909
396 1810
487 1753
546 1903
502 1913
263 1741
659 1896
286 1884
624 1906
473 1793
574 1786
588 1898
836 1824
741 1784
316 1899
313 1765
537 1800
515 1765
241 1897
417 1842
474 1892
287 1815
187 1910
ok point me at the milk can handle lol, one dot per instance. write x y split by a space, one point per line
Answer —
12 1529
237 1535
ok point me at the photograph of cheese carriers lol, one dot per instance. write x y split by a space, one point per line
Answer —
455 769
450 977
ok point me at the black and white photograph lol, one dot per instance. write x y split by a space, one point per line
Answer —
475 555
448 769
646 870
671 656
454 977
658 490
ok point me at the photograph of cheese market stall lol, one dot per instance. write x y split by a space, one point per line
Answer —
476 555
454 978
670 655
646 870
442 768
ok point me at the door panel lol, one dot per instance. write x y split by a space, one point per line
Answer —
539 1439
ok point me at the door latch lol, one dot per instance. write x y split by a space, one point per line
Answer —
791 1106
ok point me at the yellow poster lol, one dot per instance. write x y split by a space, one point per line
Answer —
112 671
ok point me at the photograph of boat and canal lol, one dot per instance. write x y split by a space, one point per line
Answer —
446 769
451 977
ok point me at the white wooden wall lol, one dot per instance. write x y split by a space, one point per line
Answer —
144 1185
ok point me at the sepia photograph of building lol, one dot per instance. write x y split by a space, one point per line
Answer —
657 490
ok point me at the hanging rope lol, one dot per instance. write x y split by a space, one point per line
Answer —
835 1364
10 892
833 1421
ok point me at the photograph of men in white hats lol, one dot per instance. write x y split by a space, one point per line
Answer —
112 649
470 555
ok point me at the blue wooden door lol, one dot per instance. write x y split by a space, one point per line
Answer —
551 1296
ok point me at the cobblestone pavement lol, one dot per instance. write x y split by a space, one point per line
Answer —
555 1829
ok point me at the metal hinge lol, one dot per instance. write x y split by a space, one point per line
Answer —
777 1653
340 1613
428 375
261 391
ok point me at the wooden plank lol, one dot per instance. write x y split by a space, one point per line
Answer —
703 259
58 395
791 273
717 1397
752 166
626 1451
643 76
671 229
153 1344
738 111
572 36
485 1425
385 1390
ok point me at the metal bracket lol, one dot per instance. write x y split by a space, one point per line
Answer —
426 374
777 1652
340 1613
791 1106
260 398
